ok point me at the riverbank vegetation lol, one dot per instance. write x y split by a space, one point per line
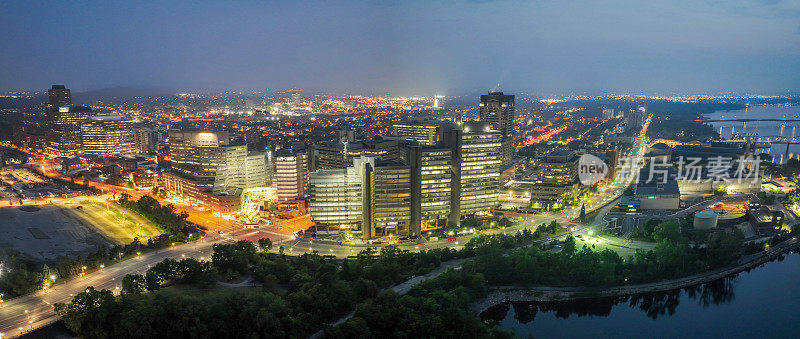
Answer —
681 129
297 295
674 256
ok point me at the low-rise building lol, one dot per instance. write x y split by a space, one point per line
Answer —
763 219
658 191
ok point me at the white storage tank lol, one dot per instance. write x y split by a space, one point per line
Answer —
705 220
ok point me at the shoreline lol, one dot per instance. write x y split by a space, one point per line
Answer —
501 294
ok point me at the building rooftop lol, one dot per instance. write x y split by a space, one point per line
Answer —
628 200
561 156
668 188
110 116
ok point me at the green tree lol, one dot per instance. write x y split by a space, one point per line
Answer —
583 213
724 248
667 231
90 314
153 280
470 223
552 228
234 257
193 271
569 246
265 244
133 284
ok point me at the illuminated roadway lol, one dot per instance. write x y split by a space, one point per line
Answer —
14 320
205 219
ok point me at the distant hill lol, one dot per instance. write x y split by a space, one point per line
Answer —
115 94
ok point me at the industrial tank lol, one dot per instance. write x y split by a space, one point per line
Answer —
705 220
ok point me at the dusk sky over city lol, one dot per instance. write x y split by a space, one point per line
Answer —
404 47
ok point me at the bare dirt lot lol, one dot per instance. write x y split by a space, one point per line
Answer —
51 231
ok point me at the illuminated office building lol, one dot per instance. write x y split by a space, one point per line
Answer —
476 169
108 134
431 182
557 180
426 132
370 198
337 197
208 169
498 109
390 199
291 176
340 154
146 140
431 187
63 122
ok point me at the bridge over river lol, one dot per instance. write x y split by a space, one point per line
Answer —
746 120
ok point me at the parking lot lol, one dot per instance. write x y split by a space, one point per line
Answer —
28 184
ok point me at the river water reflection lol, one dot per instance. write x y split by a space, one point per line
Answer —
764 303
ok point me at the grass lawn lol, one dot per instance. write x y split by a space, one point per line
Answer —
115 222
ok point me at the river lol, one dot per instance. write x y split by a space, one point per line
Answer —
767 130
762 303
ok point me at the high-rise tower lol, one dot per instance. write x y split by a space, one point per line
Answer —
63 122
498 109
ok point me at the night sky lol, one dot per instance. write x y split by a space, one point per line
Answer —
404 47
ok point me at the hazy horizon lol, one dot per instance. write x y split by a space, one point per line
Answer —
406 48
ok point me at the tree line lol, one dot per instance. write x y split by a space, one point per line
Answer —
297 296
23 276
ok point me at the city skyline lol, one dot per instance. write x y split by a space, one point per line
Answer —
409 48
399 169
